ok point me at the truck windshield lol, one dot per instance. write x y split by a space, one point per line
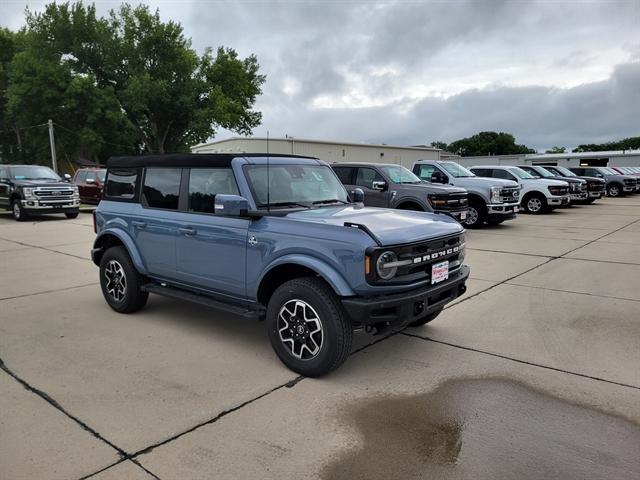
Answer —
295 185
565 171
608 171
399 174
518 172
543 172
33 173
456 170
101 174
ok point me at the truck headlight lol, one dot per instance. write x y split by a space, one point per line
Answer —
76 192
28 192
495 195
383 269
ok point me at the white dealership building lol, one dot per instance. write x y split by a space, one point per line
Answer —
329 151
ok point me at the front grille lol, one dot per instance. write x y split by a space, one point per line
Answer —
596 186
510 194
630 181
53 193
452 202
560 190
423 255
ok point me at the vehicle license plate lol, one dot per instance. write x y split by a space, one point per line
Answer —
439 272
463 215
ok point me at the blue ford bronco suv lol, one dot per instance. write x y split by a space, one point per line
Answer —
278 238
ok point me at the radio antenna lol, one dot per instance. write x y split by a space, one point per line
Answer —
268 179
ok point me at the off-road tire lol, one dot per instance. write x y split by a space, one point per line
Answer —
532 197
18 212
494 222
426 319
480 214
133 298
71 214
337 330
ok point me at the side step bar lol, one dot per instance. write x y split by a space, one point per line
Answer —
236 309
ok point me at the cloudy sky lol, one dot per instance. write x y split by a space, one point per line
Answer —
410 72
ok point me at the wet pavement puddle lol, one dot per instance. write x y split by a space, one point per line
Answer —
485 429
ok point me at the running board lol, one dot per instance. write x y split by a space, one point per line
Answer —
172 292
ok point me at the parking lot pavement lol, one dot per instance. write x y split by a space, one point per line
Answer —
538 359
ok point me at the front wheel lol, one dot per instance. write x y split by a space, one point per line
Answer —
308 328
71 214
120 281
614 190
19 214
426 319
476 214
535 204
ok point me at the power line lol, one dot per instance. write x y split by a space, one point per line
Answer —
24 128
103 141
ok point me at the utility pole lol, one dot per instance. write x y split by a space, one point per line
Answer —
52 143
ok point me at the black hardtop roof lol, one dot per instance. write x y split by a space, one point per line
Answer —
187 159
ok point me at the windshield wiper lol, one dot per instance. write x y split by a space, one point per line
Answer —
332 200
408 183
285 204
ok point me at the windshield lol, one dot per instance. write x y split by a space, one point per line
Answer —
456 170
607 171
518 172
33 173
543 172
565 171
295 185
101 174
400 174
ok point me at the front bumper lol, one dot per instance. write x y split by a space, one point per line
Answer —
399 309
502 211
578 196
596 194
558 201
51 205
628 188
459 215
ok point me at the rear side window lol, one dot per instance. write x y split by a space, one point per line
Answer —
425 172
121 184
345 174
161 188
206 183
502 174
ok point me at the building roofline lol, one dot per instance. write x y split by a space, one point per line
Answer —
324 142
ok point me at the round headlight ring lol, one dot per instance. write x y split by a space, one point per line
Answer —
386 273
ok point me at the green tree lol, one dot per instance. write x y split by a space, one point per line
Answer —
488 143
170 96
630 143
440 145
556 150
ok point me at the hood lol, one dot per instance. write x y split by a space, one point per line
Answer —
486 181
621 177
570 180
41 183
391 227
546 181
436 188
588 179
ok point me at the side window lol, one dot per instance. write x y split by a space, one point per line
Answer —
482 172
121 184
345 174
161 188
81 177
206 183
503 174
425 172
4 173
366 177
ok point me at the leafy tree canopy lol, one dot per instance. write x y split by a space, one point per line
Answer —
556 150
485 143
119 84
631 143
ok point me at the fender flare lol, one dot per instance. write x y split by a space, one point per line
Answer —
128 243
425 207
326 272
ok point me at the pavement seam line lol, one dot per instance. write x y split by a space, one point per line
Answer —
51 401
47 249
50 291
525 362
573 293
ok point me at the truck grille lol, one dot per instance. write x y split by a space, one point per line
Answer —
630 181
510 194
53 193
595 186
452 202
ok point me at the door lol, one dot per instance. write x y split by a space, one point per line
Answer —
79 180
373 197
211 250
4 187
91 188
347 178
156 228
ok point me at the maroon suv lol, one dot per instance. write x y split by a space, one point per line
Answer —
90 182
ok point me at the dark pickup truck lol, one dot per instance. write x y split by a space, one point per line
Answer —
595 186
388 185
617 184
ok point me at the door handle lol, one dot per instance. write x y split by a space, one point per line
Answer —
187 232
138 224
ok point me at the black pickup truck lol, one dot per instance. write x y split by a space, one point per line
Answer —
389 185
595 186
34 189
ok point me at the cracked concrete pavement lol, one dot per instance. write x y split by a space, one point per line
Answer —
549 327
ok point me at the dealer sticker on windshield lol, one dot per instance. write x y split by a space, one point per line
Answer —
439 272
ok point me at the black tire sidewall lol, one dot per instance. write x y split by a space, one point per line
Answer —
71 215
480 209
23 213
540 197
335 325
134 298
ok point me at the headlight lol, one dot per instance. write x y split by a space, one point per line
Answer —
495 195
383 269
28 192
554 190
437 201
76 192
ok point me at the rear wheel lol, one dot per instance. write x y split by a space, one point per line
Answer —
476 214
19 214
425 320
308 328
120 281
535 203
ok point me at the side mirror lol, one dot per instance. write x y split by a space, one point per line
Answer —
230 205
90 180
67 177
438 177
380 186
358 195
